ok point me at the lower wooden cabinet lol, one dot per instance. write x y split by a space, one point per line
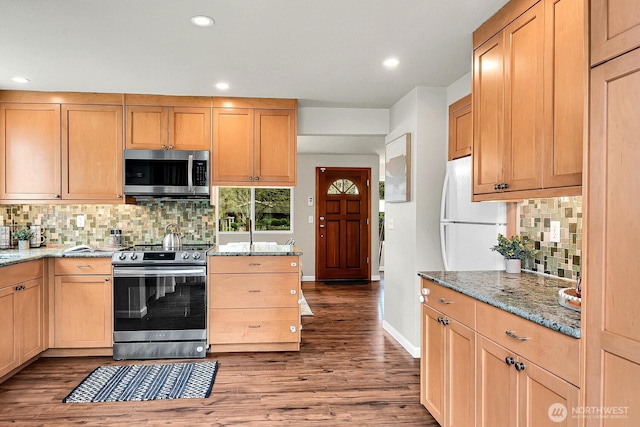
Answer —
253 303
82 296
513 391
21 314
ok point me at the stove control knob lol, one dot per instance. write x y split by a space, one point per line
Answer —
196 255
133 256
122 256
185 255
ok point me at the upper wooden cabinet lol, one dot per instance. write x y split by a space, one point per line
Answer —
529 81
460 128
61 152
255 146
30 152
168 128
615 28
92 152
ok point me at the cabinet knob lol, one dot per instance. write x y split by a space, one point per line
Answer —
293 292
171 147
164 147
250 178
294 264
119 196
57 196
509 360
505 186
520 366
496 186
257 178
426 291
293 329
445 322
107 279
422 299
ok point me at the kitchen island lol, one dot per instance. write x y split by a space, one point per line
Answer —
254 293
496 347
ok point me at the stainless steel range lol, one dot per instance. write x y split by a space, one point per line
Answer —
160 302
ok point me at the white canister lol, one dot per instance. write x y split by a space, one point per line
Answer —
5 237
37 238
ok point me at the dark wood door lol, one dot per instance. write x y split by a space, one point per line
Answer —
343 238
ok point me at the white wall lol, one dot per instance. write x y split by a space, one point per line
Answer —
343 121
413 243
304 231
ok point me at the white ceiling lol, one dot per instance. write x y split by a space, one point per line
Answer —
326 53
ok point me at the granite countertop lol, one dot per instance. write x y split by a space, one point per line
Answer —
15 256
528 295
257 249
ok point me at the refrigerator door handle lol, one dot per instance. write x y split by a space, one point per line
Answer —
443 198
443 246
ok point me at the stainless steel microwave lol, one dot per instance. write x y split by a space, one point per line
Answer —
166 173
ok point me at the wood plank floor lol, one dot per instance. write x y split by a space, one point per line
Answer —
348 372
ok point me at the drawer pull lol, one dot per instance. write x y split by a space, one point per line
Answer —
293 292
293 329
254 326
444 301
83 266
520 366
254 291
513 335
254 264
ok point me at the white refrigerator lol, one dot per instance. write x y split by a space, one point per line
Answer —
468 230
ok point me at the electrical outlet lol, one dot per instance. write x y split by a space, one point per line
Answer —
391 224
80 221
555 231
310 201
310 219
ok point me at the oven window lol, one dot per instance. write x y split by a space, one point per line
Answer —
159 303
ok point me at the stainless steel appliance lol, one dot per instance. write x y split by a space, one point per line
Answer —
160 302
166 173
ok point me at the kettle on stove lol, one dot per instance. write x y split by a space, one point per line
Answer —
172 238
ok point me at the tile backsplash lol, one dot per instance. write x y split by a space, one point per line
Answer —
141 223
559 259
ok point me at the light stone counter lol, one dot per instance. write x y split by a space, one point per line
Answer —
528 295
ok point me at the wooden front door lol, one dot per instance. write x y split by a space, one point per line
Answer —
342 226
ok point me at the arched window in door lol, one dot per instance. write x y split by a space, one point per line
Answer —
343 186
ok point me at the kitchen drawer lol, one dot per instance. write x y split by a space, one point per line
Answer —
554 351
253 291
79 265
240 326
18 273
449 302
253 264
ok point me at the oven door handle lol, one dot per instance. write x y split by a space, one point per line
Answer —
160 272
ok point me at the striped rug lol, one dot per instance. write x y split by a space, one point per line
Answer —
146 382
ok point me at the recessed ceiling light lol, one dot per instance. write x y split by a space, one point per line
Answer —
202 21
222 86
20 79
391 62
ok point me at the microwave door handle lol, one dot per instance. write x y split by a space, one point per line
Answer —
190 172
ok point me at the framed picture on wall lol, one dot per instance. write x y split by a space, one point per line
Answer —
397 181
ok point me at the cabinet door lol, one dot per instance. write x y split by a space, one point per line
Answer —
232 146
275 147
8 353
83 311
496 386
538 392
92 147
460 128
432 375
615 28
488 115
524 106
611 332
460 352
30 320
147 128
190 128
565 99
30 151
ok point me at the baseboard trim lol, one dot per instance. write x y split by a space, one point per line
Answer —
413 351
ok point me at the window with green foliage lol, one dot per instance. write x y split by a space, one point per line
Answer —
269 209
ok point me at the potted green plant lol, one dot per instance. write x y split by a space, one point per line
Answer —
23 235
514 250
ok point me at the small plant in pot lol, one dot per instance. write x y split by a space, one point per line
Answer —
23 235
514 250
